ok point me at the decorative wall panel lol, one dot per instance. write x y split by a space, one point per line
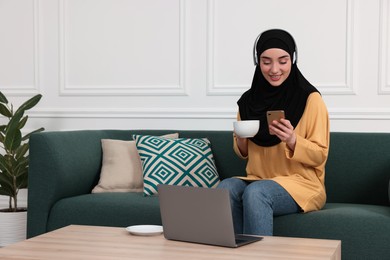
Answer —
121 47
19 49
384 46
233 26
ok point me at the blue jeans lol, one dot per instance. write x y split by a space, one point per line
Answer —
254 204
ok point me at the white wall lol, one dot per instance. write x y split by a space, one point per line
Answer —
182 64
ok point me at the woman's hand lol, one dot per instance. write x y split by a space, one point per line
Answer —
285 131
242 144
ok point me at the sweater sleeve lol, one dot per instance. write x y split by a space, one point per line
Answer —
313 148
235 146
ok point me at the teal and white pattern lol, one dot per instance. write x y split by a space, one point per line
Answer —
182 161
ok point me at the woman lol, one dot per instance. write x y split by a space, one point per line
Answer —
286 159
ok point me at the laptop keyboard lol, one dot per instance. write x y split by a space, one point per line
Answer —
239 241
245 238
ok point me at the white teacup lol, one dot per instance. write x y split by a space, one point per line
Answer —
246 128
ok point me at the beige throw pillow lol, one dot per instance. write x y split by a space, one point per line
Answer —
121 167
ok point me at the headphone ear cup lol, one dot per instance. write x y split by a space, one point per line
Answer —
255 58
255 61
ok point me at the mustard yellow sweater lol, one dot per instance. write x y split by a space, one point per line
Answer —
300 172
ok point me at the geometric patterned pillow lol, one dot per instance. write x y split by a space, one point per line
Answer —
182 161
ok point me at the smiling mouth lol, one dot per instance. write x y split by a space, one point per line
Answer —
275 77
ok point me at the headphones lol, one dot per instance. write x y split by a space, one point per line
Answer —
256 58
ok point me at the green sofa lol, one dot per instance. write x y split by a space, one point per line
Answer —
65 166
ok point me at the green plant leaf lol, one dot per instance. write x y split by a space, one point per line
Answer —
3 164
23 181
13 136
12 140
5 111
3 99
20 166
29 134
6 182
5 188
21 151
23 122
5 192
23 171
8 163
29 104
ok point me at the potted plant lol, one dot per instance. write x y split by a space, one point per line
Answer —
14 162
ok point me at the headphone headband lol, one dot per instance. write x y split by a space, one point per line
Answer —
256 57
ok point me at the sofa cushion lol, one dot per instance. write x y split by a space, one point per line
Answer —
118 209
182 161
353 224
121 166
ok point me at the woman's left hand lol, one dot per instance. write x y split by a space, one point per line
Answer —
285 131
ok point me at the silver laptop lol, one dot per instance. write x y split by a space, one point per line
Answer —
199 215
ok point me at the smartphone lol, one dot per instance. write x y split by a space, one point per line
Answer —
274 115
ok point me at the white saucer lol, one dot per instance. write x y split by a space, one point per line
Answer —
145 230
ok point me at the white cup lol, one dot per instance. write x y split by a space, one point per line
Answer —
246 128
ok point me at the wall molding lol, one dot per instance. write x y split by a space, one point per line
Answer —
192 113
371 113
214 89
26 90
384 45
347 87
337 88
119 90
144 113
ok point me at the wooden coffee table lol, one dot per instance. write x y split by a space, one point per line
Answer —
93 242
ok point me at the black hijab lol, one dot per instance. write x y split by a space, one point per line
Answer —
290 96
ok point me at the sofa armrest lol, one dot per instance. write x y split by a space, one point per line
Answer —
62 164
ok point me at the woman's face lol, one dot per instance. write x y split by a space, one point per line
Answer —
275 65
